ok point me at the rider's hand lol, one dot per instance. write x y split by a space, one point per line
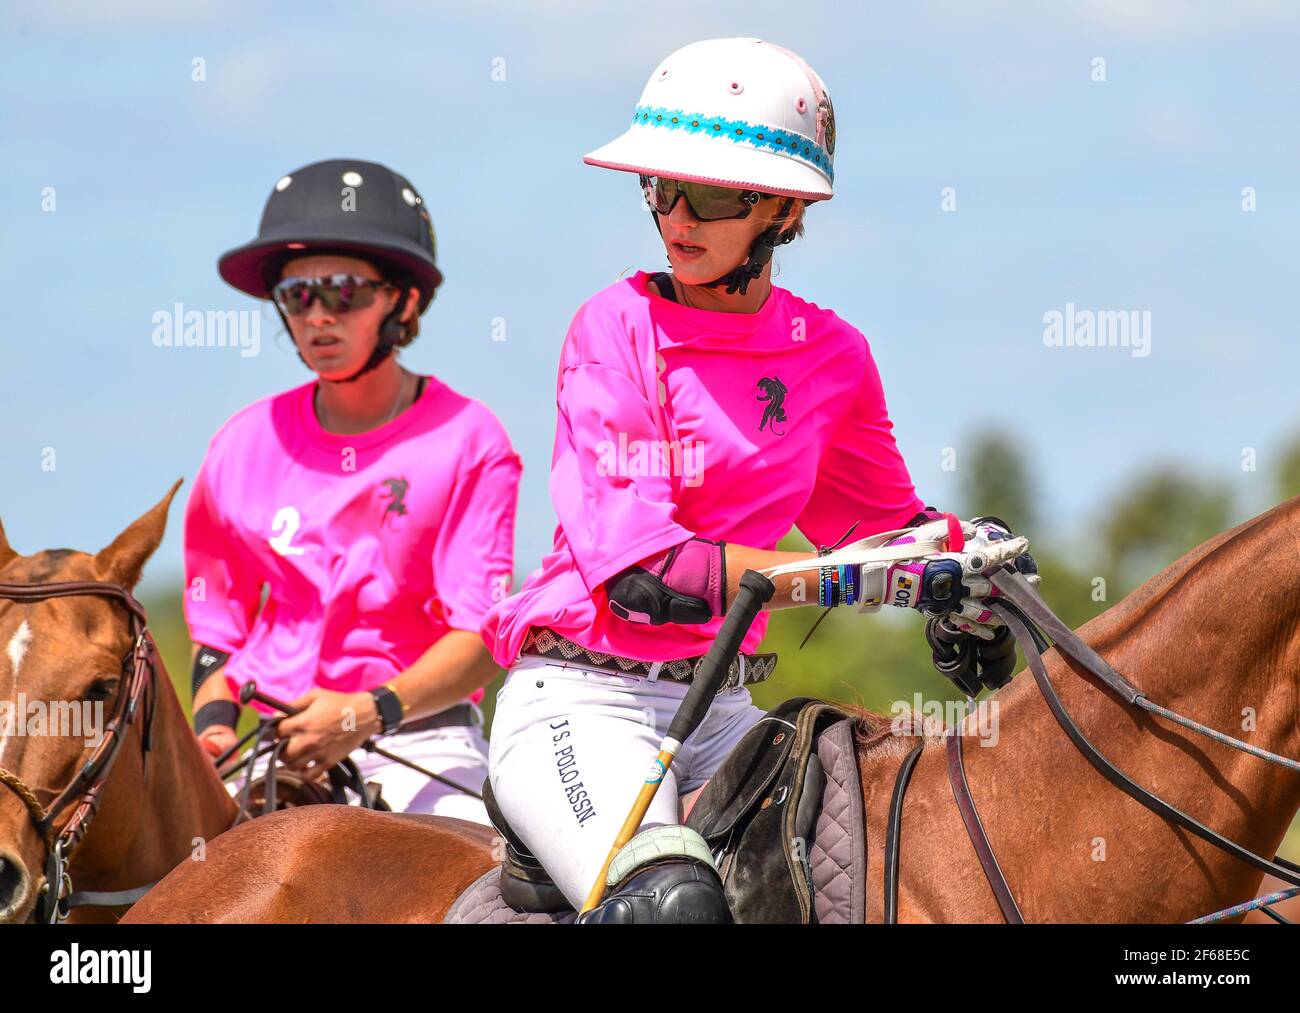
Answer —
954 581
329 726
215 740
988 547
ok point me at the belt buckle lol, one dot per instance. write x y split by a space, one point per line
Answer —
735 677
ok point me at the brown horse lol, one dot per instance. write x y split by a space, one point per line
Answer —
156 807
1215 636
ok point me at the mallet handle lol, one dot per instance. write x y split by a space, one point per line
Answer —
249 692
755 591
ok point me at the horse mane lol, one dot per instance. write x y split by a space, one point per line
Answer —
873 731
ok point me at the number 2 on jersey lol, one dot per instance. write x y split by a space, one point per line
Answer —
285 525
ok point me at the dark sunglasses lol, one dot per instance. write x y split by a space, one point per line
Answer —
337 293
707 203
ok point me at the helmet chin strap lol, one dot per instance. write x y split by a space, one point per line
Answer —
760 252
390 333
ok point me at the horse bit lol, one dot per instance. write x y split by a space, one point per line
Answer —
135 702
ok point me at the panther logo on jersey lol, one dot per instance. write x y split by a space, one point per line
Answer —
397 489
773 391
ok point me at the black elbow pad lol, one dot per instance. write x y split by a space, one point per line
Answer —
924 517
206 661
638 596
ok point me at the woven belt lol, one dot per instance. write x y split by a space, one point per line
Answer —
453 717
541 642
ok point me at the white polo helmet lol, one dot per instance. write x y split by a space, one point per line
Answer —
732 112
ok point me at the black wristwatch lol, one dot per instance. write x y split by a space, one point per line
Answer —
390 709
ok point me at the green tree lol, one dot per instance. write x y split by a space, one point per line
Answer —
995 480
1163 516
1288 473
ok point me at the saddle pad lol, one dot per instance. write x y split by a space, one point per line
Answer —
481 904
838 854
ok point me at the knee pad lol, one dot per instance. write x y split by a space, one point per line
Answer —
663 876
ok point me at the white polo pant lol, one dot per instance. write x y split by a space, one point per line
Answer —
571 747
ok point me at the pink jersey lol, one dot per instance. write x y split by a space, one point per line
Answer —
371 545
676 422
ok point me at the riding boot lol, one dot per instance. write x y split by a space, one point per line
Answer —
676 891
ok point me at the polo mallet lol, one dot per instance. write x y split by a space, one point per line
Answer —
249 691
755 591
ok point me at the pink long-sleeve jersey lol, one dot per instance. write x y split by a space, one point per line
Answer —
371 546
675 422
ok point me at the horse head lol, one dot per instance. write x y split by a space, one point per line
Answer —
67 664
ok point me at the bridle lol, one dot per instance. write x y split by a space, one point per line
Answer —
1031 622
135 704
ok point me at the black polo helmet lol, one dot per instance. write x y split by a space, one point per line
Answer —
346 206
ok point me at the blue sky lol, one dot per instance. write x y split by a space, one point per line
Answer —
1117 195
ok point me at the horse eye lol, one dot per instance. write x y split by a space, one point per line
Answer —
102 689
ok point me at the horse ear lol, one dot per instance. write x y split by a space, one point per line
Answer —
121 562
6 551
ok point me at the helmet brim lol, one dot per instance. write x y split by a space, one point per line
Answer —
245 266
703 159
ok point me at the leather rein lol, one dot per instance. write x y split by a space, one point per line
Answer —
135 703
1031 622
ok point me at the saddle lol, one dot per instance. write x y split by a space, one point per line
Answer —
783 816
759 813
